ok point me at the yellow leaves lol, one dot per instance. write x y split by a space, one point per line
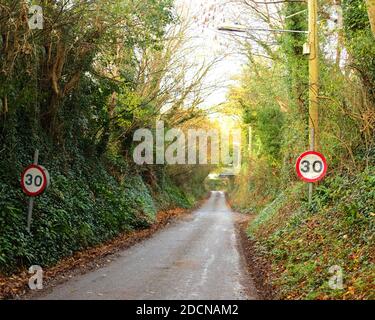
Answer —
354 257
15 284
349 292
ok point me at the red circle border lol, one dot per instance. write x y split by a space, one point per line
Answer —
316 154
34 194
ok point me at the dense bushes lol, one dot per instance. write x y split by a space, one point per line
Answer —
84 206
77 90
303 242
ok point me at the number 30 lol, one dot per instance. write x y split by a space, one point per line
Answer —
306 166
37 180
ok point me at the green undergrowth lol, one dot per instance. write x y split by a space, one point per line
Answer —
304 242
90 200
167 192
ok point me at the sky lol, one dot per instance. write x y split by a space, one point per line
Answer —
209 43
207 16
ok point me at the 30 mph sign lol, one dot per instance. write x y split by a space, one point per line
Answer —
34 180
311 166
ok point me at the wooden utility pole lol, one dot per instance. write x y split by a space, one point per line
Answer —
371 14
313 82
313 74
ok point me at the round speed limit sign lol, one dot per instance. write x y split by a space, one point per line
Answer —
311 166
34 180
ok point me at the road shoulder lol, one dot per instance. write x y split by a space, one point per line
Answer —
256 265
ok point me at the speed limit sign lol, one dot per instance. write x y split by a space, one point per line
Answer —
34 180
311 166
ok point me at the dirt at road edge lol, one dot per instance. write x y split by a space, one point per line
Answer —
257 266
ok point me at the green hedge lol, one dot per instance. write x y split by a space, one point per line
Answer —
84 206
90 200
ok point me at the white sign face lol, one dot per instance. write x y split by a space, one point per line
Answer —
311 166
34 180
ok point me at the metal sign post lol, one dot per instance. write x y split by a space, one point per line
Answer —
31 201
35 179
311 189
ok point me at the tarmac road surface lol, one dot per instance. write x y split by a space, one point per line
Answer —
195 258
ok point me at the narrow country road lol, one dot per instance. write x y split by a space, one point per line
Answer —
194 258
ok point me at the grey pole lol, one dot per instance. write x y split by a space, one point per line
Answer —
31 201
